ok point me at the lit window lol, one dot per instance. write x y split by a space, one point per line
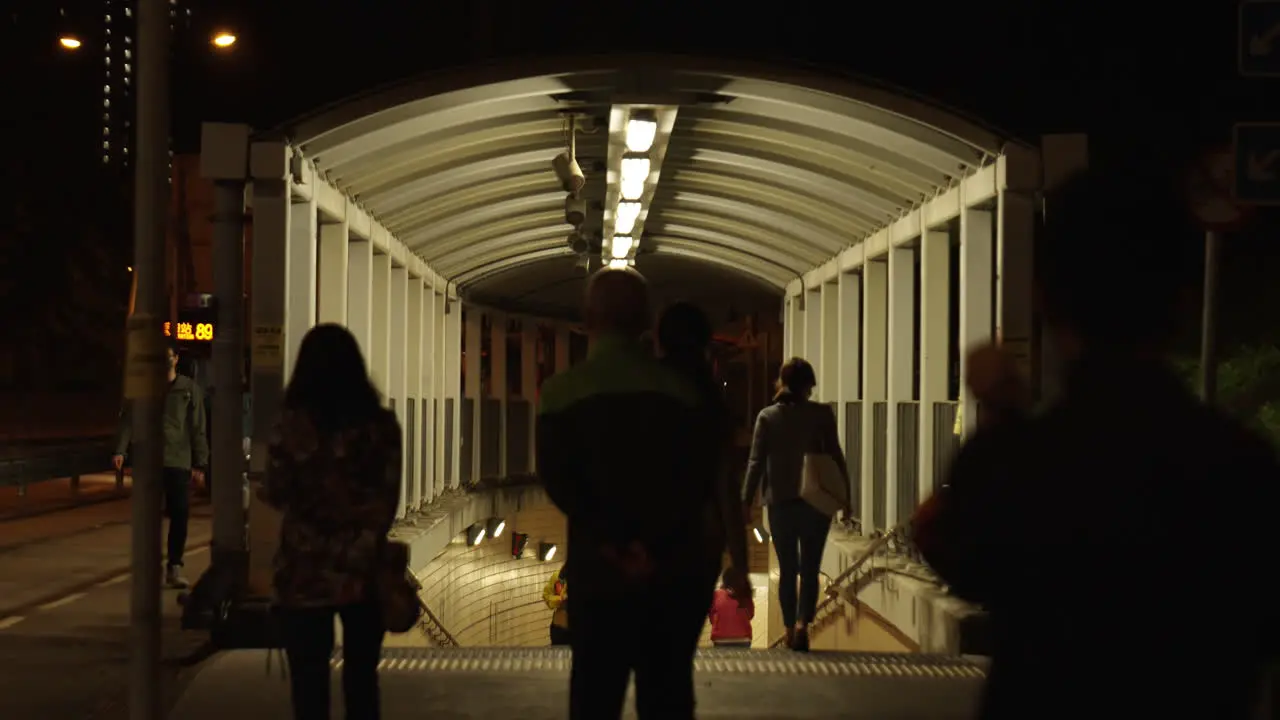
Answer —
106 102
128 41
105 159
106 145
106 89
128 68
106 131
128 11
108 62
128 54
126 81
108 47
108 19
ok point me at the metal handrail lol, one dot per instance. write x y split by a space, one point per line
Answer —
854 568
435 630
54 461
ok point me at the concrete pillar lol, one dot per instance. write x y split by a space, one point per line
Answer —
450 378
397 367
498 389
829 344
300 287
875 321
1015 237
529 380
849 348
335 247
380 358
429 393
562 356
793 333
900 360
413 391
813 330
472 337
935 343
360 296
976 323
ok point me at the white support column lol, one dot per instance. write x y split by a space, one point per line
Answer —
380 357
1015 236
498 389
529 381
562 356
360 296
848 352
935 343
430 368
829 344
413 391
900 361
300 312
976 281
335 247
875 321
397 367
472 336
451 353
813 332
793 333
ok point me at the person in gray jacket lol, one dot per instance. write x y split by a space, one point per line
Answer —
785 431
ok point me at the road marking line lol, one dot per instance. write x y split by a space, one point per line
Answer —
113 581
62 601
10 621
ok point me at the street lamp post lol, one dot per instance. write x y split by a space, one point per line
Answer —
145 368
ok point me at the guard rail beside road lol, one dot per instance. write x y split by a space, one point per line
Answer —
25 464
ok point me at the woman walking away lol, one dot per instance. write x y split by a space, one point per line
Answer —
785 432
731 613
334 472
684 342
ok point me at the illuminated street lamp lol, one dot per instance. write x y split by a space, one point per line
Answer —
224 40
69 42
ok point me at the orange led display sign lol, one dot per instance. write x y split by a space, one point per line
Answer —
189 332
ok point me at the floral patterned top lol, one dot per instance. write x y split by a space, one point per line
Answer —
339 498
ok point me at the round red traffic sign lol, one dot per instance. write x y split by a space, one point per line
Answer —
1209 191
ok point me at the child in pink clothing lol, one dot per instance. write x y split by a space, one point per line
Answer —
730 615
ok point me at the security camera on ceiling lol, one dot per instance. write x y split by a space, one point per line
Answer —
577 243
575 210
569 173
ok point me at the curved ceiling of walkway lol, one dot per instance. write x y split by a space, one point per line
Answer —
767 172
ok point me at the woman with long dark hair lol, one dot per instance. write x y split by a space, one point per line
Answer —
684 344
785 432
334 473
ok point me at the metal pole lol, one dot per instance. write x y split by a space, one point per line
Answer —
145 382
1209 321
228 370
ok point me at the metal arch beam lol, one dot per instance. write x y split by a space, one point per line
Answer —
735 169
380 129
796 263
781 224
819 218
873 190
773 280
428 186
460 259
496 254
480 272
759 264
531 235
473 218
909 139
476 195
548 221
825 149
735 226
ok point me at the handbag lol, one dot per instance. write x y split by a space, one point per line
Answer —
397 589
822 484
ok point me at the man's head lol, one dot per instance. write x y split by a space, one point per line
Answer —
1114 260
617 303
171 356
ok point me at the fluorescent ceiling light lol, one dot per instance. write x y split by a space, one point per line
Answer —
621 246
635 169
618 264
642 128
624 221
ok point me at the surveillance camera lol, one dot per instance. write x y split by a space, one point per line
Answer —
575 210
577 243
569 172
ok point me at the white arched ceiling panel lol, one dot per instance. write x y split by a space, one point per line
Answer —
771 169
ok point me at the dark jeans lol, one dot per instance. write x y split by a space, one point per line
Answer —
652 630
799 538
560 635
177 505
308 642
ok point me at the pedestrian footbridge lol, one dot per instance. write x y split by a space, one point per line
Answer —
532 684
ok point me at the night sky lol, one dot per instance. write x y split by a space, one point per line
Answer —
1149 84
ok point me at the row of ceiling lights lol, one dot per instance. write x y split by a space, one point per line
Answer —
492 528
634 173
220 40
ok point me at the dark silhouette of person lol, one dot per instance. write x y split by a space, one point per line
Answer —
684 337
334 472
622 451
1091 529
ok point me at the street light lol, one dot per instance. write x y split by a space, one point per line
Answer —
69 42
224 40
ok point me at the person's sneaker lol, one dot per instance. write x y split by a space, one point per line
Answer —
800 640
173 578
